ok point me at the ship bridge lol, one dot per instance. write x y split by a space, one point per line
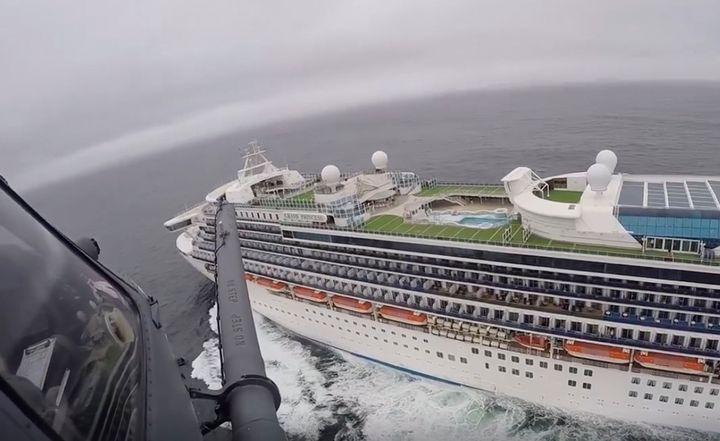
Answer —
683 207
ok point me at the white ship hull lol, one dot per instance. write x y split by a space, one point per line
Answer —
417 351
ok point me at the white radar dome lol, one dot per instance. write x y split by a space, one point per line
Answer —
598 177
608 158
330 175
380 160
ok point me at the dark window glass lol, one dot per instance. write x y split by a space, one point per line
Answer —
70 340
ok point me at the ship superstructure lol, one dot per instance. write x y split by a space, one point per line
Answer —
596 291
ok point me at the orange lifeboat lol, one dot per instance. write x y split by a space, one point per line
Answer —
272 285
668 362
360 306
309 294
403 315
532 341
597 352
249 277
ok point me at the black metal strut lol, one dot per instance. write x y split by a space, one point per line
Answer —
249 400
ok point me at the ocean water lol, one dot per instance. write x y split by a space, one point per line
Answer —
474 137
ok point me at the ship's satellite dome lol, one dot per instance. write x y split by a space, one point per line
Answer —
380 160
598 177
608 158
330 174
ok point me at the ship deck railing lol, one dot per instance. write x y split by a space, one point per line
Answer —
392 225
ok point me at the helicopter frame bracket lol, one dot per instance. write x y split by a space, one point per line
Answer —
221 398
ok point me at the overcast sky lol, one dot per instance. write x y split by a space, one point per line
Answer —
90 82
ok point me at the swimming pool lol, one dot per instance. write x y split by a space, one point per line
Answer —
482 220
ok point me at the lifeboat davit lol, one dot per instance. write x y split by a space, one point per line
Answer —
597 352
272 285
309 294
249 277
360 306
403 315
672 363
537 342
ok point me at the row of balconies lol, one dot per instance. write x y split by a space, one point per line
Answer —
574 301
473 311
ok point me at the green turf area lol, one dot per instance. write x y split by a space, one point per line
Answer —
460 190
308 196
568 197
391 224
386 223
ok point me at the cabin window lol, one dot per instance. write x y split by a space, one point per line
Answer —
679 400
501 368
475 351
573 370
713 391
587 386
698 389
682 387
709 405
543 364
572 383
528 362
651 383
463 360
667 385
501 356
515 359
635 380
648 396
694 403
439 354
588 373
488 354
487 365
515 372
632 394
451 357
558 367
528 374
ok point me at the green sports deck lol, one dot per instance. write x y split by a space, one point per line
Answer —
463 190
395 225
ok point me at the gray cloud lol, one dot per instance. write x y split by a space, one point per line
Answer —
84 85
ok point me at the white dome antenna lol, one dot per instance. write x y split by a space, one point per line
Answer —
330 175
380 160
598 177
608 158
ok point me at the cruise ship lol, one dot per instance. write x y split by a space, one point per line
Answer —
594 291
